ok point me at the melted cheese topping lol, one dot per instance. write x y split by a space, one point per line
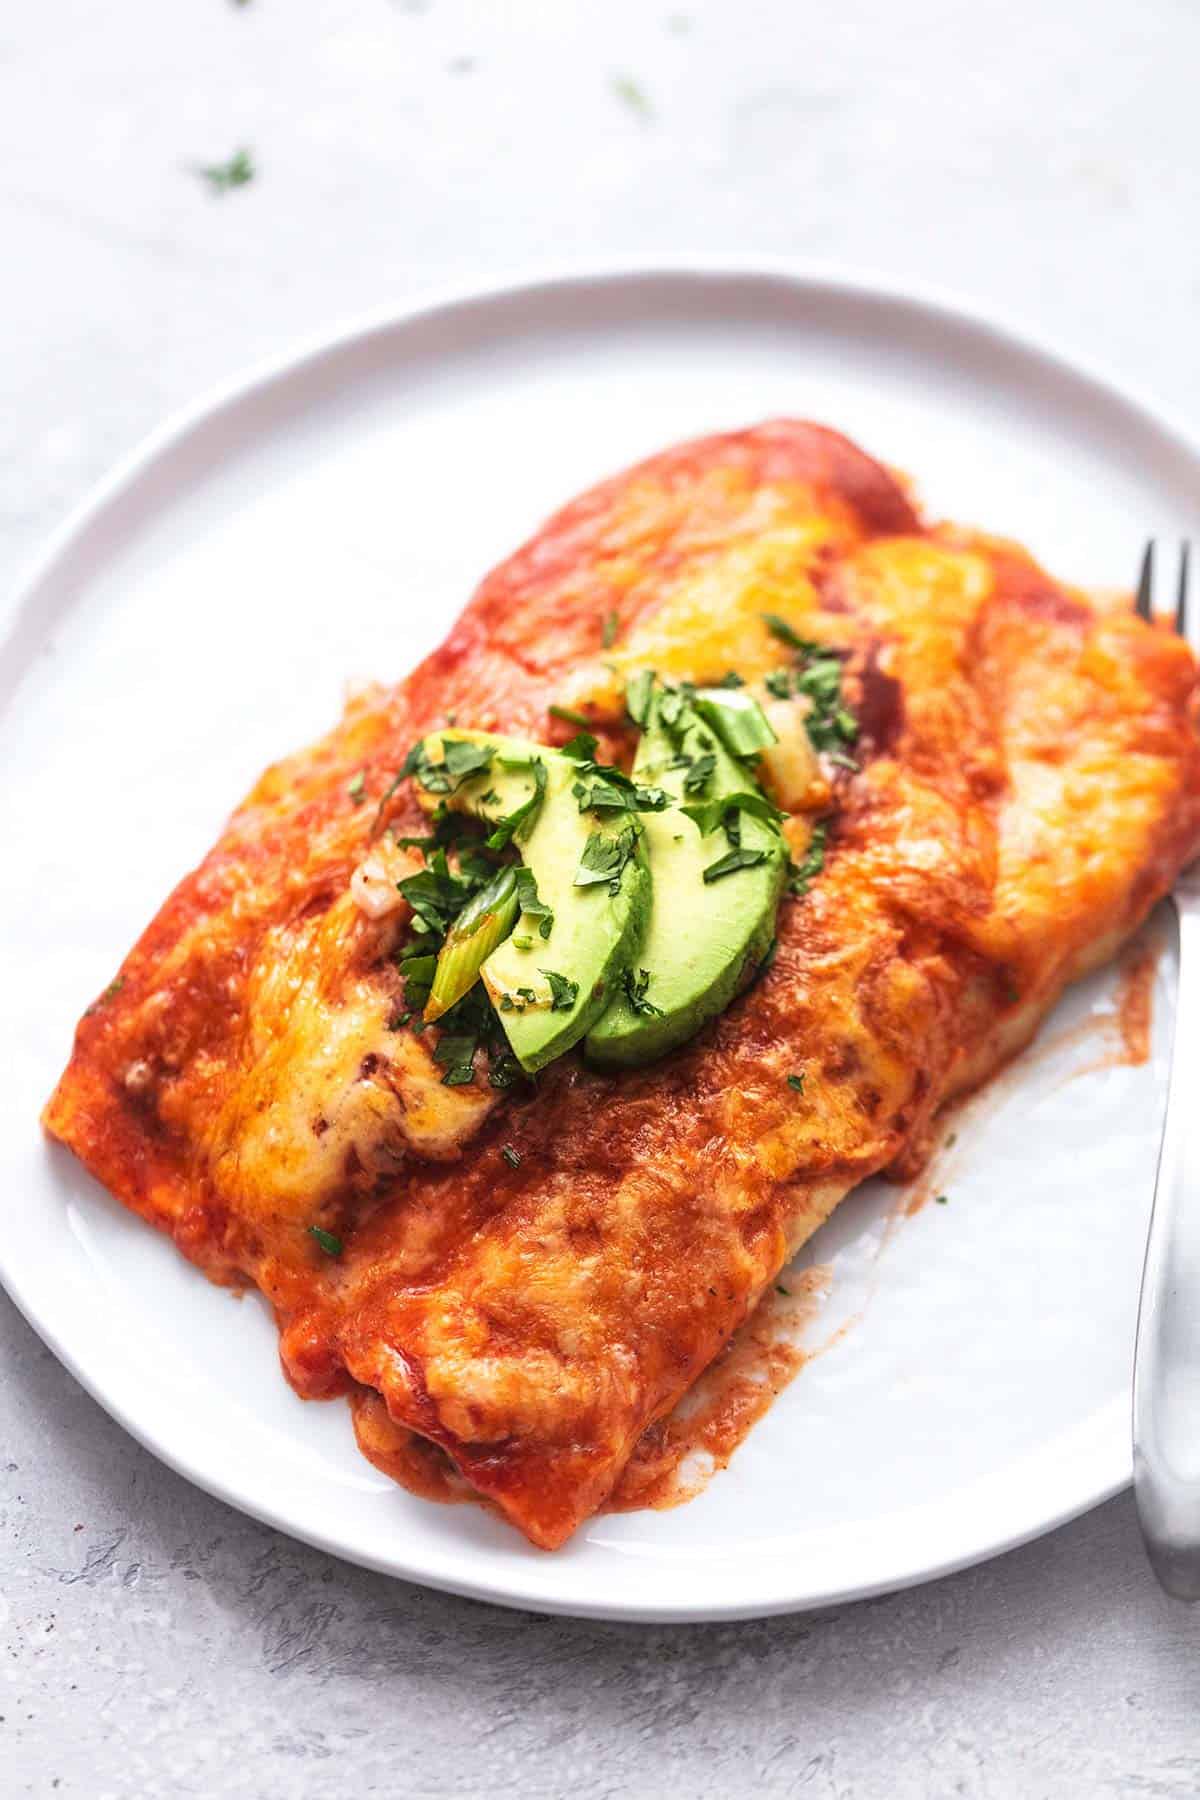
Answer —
1029 785
330 1094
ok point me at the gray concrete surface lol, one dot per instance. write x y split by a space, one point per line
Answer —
1043 158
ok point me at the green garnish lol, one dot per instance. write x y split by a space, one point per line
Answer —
582 747
569 716
633 96
796 1083
355 786
829 722
732 861
512 1157
456 1054
696 779
604 859
484 922
779 628
111 991
805 872
635 992
706 815
460 760
602 788
731 679
331 1245
786 1292
221 177
418 972
638 692
737 718
563 993
521 820
524 996
438 894
532 906
942 1200
610 630
504 1071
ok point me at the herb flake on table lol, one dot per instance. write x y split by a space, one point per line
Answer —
234 173
634 96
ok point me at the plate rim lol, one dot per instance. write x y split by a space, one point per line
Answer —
813 280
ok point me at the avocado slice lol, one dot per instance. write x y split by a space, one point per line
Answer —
549 986
704 938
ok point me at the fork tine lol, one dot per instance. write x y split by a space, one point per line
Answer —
1143 605
1181 597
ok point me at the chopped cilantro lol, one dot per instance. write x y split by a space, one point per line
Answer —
569 716
456 1054
697 777
512 1157
460 760
796 1083
732 861
779 628
582 747
942 1200
731 679
604 859
532 906
563 993
331 1245
602 788
706 815
221 177
804 873
520 822
635 992
610 630
504 1071
634 96
355 786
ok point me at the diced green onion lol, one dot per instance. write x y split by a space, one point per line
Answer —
484 922
737 718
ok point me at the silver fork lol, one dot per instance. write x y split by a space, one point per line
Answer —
1166 1376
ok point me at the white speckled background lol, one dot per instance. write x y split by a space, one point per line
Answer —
1043 158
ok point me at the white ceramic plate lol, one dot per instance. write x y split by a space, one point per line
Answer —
325 522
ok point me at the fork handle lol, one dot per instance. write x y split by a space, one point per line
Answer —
1166 1381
